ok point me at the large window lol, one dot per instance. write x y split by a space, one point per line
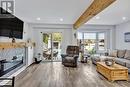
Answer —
94 40
89 41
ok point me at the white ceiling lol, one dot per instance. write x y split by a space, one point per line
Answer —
113 14
51 11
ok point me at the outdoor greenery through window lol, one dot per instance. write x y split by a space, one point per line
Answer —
94 41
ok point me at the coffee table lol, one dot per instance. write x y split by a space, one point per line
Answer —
112 73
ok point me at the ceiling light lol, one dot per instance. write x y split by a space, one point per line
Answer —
38 18
97 17
61 19
123 18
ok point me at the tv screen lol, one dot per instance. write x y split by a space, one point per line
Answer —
5 32
11 27
16 34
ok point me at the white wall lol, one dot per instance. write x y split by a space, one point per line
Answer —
120 30
39 29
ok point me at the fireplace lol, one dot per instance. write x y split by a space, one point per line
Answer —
11 61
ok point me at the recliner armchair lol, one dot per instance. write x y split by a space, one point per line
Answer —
70 58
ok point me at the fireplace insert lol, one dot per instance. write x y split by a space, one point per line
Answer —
9 65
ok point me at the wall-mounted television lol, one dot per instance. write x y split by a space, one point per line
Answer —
11 27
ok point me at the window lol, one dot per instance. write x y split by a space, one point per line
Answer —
89 41
80 35
101 41
94 40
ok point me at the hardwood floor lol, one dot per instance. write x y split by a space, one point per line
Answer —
54 74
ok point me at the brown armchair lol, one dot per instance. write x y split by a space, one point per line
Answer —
71 56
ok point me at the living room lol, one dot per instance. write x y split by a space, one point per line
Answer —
97 39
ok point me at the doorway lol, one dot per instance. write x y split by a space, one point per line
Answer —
52 46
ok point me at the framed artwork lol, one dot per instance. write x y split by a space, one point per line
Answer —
127 37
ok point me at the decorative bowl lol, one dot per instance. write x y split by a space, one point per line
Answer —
109 63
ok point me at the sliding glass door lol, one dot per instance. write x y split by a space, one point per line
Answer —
56 45
52 46
47 46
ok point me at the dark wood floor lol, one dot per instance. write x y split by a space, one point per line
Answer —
54 74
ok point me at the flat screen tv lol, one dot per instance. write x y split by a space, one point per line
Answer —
11 27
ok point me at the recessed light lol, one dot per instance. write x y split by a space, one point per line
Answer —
61 19
97 17
38 18
123 18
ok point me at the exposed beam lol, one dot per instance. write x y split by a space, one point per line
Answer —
96 7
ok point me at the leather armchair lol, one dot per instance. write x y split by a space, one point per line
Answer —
70 58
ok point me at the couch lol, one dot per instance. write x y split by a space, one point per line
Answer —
121 57
70 58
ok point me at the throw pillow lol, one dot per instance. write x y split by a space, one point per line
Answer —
113 53
127 54
121 53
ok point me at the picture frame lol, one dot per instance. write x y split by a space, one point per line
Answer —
127 37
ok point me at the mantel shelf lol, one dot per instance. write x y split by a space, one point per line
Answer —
9 45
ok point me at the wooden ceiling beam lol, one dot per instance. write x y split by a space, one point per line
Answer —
96 7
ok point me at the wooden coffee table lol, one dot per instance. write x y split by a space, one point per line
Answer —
112 73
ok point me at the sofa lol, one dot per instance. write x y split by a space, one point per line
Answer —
121 57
